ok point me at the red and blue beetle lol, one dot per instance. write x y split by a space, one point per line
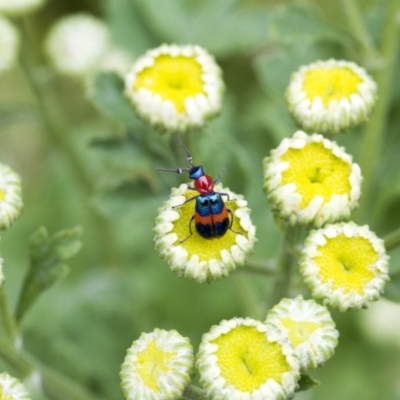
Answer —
211 216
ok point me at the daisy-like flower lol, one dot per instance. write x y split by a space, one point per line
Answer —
175 87
308 327
158 366
310 180
191 255
12 389
345 265
76 44
19 7
241 359
330 96
9 44
10 196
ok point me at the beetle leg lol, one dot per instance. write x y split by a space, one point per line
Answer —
190 230
186 201
231 223
225 194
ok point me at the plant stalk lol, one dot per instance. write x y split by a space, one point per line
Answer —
9 323
194 393
371 144
55 386
286 264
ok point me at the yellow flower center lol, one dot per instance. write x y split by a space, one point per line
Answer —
2 198
346 262
173 78
316 171
247 359
153 362
3 396
205 249
299 331
331 83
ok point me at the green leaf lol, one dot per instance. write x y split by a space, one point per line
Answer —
107 94
231 26
392 288
306 382
128 200
294 24
127 27
119 153
47 263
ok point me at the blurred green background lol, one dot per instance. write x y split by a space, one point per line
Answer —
100 174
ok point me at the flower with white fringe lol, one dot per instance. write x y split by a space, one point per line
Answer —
19 7
191 255
175 88
310 180
308 327
345 265
12 389
241 359
10 196
76 44
9 44
158 366
330 96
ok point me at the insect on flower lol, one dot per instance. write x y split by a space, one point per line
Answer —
211 216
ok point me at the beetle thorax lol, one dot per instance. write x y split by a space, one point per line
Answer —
204 184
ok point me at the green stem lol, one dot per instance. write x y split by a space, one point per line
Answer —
392 240
286 264
359 31
10 326
58 134
14 358
48 105
371 145
267 268
55 386
247 293
194 393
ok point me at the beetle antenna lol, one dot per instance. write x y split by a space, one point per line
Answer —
189 157
176 170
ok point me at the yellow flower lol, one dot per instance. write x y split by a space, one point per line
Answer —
308 327
9 44
158 366
345 265
330 96
191 255
12 389
310 180
240 359
10 196
175 87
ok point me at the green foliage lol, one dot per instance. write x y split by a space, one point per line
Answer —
107 94
47 264
306 382
118 286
